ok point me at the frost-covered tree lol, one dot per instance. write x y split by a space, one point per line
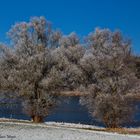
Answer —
27 63
137 64
40 63
110 77
37 65
72 52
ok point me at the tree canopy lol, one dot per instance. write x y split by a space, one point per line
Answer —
41 62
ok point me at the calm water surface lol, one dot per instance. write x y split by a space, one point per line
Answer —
70 111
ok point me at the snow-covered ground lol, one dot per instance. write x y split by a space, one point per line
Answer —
55 131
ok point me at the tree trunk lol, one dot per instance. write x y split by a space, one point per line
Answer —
37 119
109 124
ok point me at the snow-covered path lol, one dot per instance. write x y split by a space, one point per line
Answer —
16 131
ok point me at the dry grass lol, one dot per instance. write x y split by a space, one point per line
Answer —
125 130
131 131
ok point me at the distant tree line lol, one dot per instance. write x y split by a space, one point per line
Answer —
39 63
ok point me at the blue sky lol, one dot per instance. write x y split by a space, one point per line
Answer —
81 16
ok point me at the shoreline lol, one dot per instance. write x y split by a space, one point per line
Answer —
17 129
25 131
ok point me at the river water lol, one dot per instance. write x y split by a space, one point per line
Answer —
70 111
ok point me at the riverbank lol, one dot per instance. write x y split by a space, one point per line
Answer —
24 130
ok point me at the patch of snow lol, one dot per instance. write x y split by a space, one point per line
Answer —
73 125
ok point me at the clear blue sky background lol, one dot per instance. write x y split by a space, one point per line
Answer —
81 16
